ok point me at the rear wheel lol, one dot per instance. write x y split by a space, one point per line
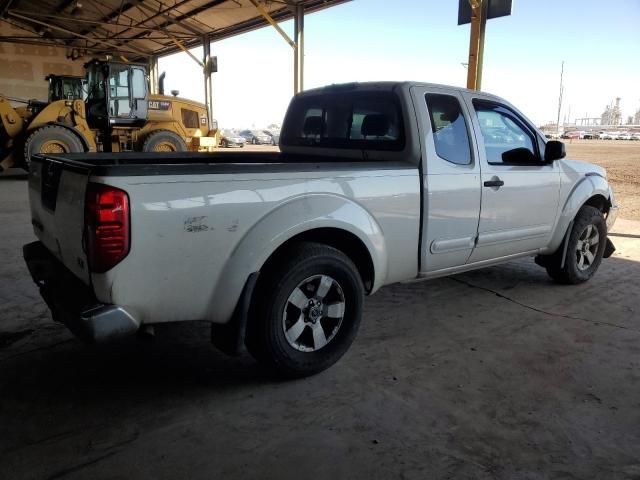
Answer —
307 312
164 141
51 139
585 248
224 144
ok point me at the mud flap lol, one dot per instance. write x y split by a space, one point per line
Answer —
230 337
608 249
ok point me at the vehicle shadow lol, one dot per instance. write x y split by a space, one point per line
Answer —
178 356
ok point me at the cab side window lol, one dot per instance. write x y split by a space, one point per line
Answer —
507 140
450 133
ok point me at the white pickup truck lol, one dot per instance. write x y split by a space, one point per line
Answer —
376 183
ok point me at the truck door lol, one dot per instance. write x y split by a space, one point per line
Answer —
450 179
520 192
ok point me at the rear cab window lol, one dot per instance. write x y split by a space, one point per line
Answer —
449 127
354 120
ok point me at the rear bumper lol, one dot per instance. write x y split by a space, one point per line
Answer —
72 302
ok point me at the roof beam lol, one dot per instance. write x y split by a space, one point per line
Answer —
38 41
75 34
171 19
275 25
98 23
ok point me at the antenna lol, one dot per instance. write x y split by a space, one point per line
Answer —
560 98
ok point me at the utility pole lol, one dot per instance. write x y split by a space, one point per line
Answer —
560 98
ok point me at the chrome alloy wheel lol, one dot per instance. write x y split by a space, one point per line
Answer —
313 313
587 247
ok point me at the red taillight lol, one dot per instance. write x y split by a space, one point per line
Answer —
107 226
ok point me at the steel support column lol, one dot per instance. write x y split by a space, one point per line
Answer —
298 49
208 80
476 43
153 74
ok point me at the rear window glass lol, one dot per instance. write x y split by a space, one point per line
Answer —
339 120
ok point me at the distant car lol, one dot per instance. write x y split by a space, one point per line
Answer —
571 134
588 135
624 136
256 137
231 139
608 136
635 136
275 136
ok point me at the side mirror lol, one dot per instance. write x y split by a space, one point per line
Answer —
554 151
519 156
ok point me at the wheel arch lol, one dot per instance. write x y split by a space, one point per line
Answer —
591 190
600 202
329 219
346 242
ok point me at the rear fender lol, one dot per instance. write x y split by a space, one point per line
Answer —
297 216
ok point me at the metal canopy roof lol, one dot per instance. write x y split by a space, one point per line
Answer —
139 29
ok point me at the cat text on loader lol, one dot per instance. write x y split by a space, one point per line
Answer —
117 115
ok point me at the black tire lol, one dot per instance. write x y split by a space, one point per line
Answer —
272 308
224 144
572 273
164 141
51 139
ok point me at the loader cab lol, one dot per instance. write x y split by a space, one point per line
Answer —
66 87
117 94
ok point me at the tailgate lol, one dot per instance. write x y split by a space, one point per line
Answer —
57 196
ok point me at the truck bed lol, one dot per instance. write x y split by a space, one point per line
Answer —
152 163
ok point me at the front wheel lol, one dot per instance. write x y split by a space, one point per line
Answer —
585 248
307 311
51 139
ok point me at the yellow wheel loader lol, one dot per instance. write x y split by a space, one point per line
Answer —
116 114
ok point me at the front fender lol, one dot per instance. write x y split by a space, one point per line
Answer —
297 216
587 187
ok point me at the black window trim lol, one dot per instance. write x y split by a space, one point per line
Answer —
467 121
518 120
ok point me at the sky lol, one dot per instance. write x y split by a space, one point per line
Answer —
368 40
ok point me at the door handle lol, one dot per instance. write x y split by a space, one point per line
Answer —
494 182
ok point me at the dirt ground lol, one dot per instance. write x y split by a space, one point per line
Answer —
622 160
494 374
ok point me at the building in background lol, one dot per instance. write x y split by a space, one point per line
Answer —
612 114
